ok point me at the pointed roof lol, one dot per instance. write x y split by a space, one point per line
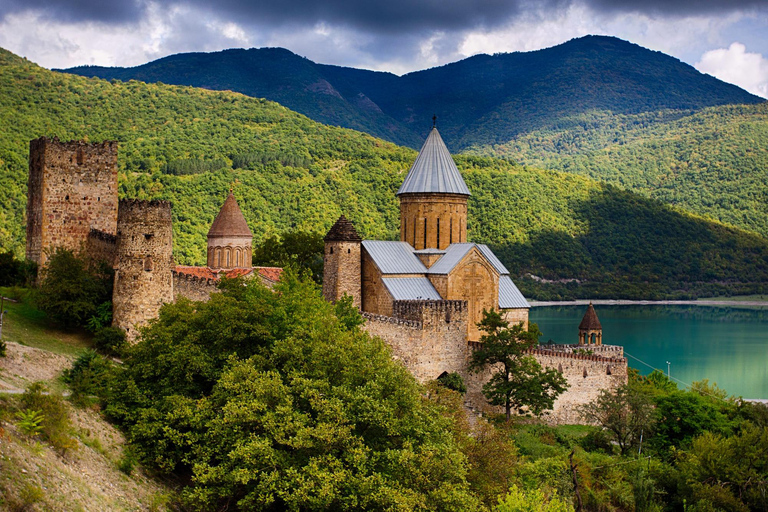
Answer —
590 322
230 221
342 231
434 171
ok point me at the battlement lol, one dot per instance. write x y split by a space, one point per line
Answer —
144 204
614 354
421 310
71 145
179 275
371 317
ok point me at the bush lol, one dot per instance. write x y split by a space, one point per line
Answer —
452 381
55 422
89 375
110 341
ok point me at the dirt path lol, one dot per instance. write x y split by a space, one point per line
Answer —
24 365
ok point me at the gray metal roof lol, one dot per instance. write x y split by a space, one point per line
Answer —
509 296
411 288
394 257
488 253
434 171
454 253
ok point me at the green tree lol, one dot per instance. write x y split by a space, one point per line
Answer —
518 381
299 249
265 400
626 412
518 500
71 289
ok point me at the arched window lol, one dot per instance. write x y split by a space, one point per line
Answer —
148 264
227 254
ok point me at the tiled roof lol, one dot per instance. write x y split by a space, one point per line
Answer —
434 171
270 273
411 288
230 220
394 257
590 322
509 296
342 231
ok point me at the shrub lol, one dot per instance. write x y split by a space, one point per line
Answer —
88 375
110 341
29 422
55 423
452 381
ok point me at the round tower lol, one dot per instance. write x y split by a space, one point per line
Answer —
433 199
230 239
590 330
342 263
144 263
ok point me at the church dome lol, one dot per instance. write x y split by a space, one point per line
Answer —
230 222
434 171
590 322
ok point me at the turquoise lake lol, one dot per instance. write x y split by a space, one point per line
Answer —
726 345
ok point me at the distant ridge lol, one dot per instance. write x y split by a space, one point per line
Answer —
481 100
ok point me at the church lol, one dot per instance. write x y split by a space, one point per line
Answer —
432 261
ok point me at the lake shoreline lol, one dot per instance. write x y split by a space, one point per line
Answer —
623 302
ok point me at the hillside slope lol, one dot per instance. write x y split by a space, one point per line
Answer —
190 145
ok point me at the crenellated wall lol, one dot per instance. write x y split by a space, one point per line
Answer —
194 288
429 337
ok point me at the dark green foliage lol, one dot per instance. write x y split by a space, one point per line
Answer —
266 401
71 290
183 166
452 381
101 318
15 272
110 341
684 415
348 314
518 381
89 375
297 249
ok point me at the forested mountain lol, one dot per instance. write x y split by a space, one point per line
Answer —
190 145
485 99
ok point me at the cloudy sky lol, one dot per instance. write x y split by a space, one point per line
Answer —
725 38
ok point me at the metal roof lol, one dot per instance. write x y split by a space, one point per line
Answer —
411 288
509 296
454 253
394 257
434 171
488 253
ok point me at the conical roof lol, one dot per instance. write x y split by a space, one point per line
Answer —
434 171
590 322
342 231
230 220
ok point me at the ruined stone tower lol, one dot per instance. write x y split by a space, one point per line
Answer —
143 273
72 190
342 262
230 239
433 199
590 329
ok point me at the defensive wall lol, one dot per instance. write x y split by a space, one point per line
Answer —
193 287
101 246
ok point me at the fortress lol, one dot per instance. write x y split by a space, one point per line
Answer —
423 294
72 204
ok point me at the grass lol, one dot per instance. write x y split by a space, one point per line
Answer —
26 325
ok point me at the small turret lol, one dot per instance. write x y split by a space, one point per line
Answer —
590 330
342 262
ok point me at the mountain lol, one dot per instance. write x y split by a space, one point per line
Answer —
189 145
482 100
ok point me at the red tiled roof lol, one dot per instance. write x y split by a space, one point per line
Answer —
270 273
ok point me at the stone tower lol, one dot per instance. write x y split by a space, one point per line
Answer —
590 330
342 263
143 274
433 199
72 189
229 239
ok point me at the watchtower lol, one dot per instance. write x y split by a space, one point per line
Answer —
433 199
143 275
72 189
590 330
342 262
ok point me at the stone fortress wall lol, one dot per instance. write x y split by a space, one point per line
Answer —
198 289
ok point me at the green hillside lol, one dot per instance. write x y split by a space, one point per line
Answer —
713 162
190 145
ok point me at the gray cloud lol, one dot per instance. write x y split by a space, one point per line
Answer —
674 7
104 11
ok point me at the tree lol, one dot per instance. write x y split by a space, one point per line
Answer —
265 400
518 381
71 289
626 412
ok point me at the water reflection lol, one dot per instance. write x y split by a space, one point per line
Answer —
723 344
